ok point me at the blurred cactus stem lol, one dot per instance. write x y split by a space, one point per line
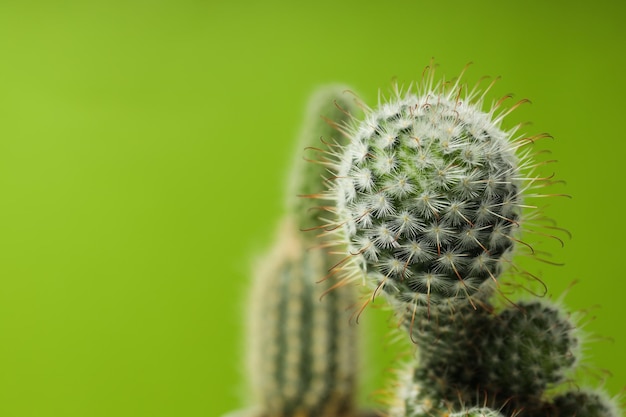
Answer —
302 345
330 112
302 359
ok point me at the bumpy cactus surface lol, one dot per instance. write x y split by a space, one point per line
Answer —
303 349
329 110
428 194
584 403
428 197
448 354
477 412
527 348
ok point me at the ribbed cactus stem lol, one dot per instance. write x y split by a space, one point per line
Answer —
448 353
302 345
329 112
415 398
302 359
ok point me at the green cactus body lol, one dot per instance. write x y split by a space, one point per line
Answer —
330 110
419 397
428 195
477 412
303 361
527 349
448 353
584 403
302 350
469 355
413 400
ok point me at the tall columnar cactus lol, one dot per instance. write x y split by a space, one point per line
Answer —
428 193
329 112
302 349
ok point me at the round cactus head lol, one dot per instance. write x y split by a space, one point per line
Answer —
428 193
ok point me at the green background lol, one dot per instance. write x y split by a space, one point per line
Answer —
143 152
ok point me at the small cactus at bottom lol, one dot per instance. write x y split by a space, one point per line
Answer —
448 355
469 355
411 399
302 349
528 348
415 399
584 403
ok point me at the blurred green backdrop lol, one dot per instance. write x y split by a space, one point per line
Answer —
143 149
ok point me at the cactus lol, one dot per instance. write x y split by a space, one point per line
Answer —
585 403
302 350
303 360
448 353
414 399
509 361
428 198
527 349
417 396
329 111
428 193
477 412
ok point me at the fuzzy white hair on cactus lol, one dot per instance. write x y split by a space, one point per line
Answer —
429 185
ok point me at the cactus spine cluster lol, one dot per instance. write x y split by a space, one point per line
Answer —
302 347
427 195
506 359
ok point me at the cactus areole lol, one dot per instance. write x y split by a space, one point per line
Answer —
428 195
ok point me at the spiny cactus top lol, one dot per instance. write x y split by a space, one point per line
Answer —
428 194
